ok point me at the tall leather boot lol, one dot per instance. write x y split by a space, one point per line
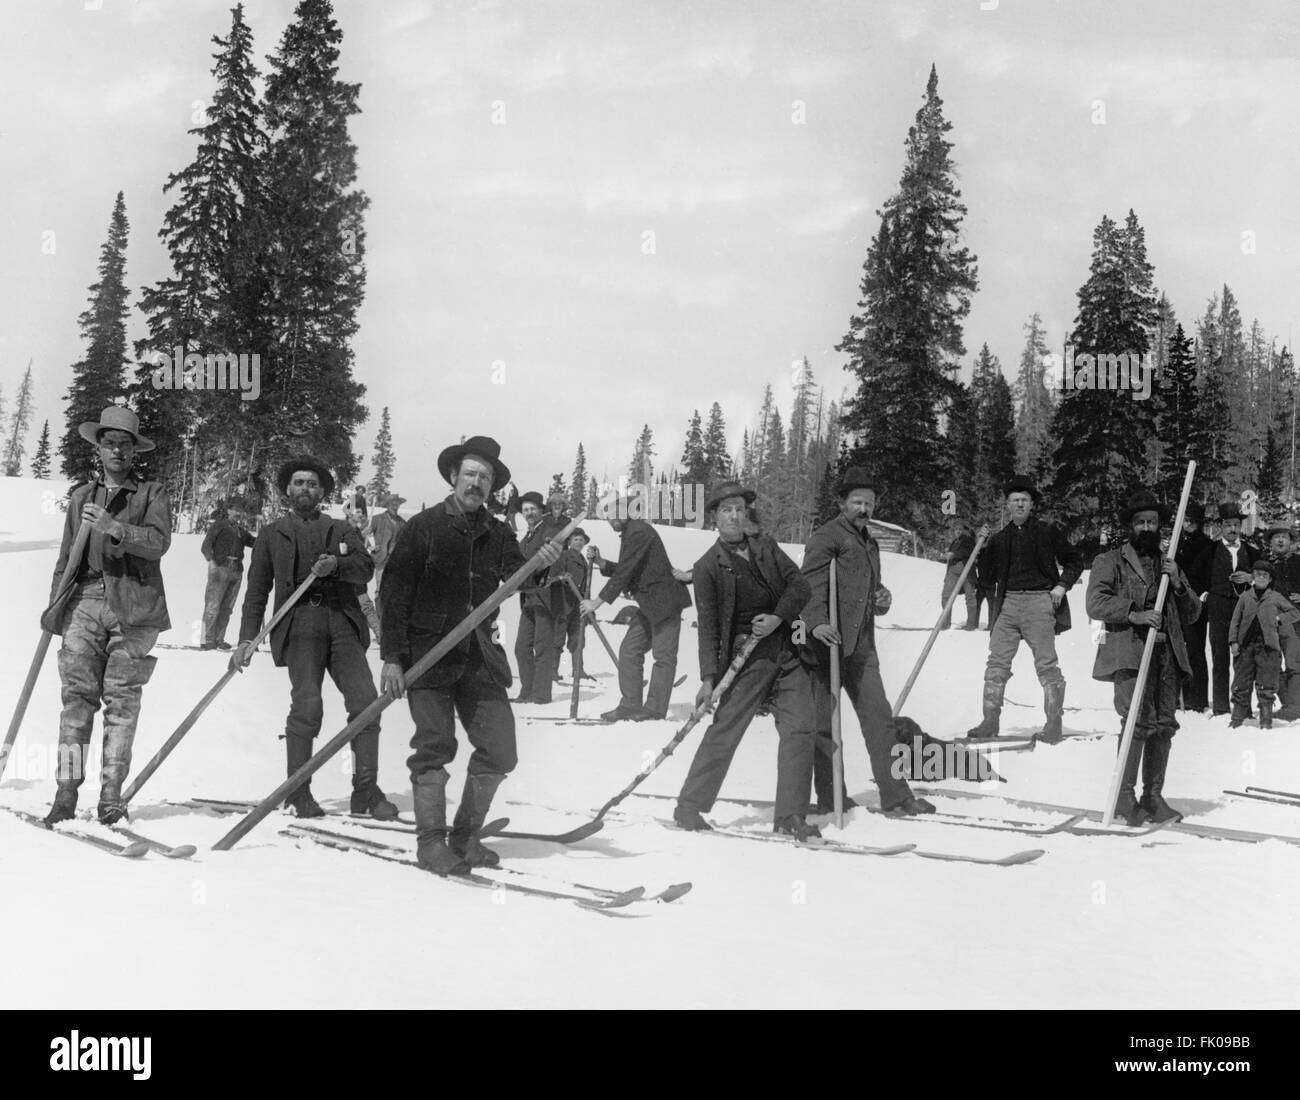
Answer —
1266 714
124 680
1053 705
81 676
1155 760
475 802
367 798
993 693
1126 805
297 751
429 794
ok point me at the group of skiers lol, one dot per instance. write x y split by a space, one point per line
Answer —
768 628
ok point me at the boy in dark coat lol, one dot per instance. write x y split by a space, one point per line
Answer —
1262 624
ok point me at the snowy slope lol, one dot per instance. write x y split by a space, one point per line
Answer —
1172 921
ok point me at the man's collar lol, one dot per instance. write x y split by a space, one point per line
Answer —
129 483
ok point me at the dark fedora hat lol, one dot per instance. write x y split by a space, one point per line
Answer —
485 447
1195 511
304 462
1022 484
725 489
855 477
1143 500
579 533
1263 565
532 498
1230 509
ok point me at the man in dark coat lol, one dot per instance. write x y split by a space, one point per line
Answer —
384 529
1219 575
448 560
860 597
1286 582
1027 604
1191 545
541 609
1122 591
573 564
643 571
223 548
746 585
325 631
110 608
959 550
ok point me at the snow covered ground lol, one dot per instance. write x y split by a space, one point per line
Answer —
1169 921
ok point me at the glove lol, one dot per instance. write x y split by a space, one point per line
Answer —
884 600
325 565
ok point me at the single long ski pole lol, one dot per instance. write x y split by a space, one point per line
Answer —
938 624
837 737
576 660
1144 667
70 568
720 689
190 719
595 625
348 732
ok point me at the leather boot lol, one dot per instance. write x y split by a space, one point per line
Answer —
367 798
429 794
1265 715
111 808
1053 706
797 827
993 693
1155 760
297 751
1126 805
475 802
64 807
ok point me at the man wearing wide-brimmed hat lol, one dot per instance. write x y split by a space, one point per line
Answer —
1192 543
860 598
325 631
1219 576
384 529
110 608
1122 590
746 586
1028 566
448 560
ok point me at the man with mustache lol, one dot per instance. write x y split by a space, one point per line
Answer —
447 561
325 631
1122 591
541 607
384 529
1221 574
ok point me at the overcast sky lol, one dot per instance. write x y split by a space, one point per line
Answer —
658 224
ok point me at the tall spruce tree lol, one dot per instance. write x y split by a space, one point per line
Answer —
1101 433
98 379
1177 423
41 460
16 446
578 484
905 341
995 435
384 460
1034 407
641 469
695 463
716 456
1211 445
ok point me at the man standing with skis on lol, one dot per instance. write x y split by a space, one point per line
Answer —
324 631
110 608
447 561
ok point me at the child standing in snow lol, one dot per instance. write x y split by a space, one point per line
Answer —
1261 623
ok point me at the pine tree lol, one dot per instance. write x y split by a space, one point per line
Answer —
593 495
1101 433
1268 480
41 461
557 486
716 456
98 379
578 500
695 464
963 449
1034 406
905 342
1210 442
16 446
1177 418
995 435
384 460
640 470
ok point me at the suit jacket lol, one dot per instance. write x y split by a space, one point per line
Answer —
1212 570
1276 617
1188 559
133 584
384 530
645 573
540 592
224 541
1050 546
272 566
1117 586
1287 578
857 577
440 570
715 594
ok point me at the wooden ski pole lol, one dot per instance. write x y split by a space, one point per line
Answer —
720 689
48 617
190 719
595 625
348 732
1144 666
938 625
837 738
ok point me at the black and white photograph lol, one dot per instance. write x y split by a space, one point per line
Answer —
638 505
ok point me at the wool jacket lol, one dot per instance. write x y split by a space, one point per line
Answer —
1276 615
645 573
1049 546
857 579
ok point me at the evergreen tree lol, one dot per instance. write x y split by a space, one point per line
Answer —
41 460
695 463
641 469
1268 481
98 379
1177 423
716 456
963 450
16 446
384 460
1210 443
997 436
1240 435
578 501
1033 397
593 495
905 342
1101 433
557 486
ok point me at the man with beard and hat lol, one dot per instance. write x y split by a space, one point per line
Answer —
1122 592
384 529
541 608
325 631
746 586
645 573
110 608
447 561
1219 575
1027 604
1192 543
860 598
223 548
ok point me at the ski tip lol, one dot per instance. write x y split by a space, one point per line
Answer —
182 851
675 891
135 850
627 897
591 828
492 828
1017 858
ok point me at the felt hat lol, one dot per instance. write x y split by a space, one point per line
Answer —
1143 500
116 418
726 489
484 446
1022 484
855 477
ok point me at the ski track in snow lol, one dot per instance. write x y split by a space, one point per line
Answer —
1169 921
